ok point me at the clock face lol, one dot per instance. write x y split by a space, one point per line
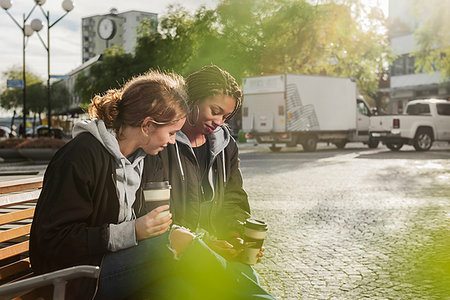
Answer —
106 29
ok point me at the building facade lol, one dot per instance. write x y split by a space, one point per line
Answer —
405 83
114 29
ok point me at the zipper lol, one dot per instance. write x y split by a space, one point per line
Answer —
97 281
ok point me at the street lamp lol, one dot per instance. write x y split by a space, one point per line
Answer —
36 25
26 32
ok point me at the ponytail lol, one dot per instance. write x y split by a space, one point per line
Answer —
106 107
155 94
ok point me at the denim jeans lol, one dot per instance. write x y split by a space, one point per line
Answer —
150 271
126 272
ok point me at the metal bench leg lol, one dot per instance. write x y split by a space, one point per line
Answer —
59 290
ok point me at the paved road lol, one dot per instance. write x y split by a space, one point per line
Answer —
353 223
348 224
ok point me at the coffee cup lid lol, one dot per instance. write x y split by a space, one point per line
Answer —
157 185
256 224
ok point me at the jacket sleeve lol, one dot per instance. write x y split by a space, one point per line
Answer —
235 207
61 234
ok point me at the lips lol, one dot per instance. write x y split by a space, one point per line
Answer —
210 129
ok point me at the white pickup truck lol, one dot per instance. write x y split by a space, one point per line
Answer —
423 122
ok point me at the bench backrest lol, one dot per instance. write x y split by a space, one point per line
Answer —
17 203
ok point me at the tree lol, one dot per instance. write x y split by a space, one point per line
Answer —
432 36
256 37
59 96
36 96
115 68
336 38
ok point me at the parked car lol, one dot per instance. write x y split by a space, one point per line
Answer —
56 132
6 132
423 122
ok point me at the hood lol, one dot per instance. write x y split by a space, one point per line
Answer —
104 135
218 139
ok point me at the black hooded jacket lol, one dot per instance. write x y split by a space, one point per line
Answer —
77 202
224 207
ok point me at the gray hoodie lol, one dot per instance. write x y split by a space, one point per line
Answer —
128 179
218 140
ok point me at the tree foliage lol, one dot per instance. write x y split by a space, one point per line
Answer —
36 93
432 36
256 37
115 68
36 96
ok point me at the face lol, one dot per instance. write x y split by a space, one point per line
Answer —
159 136
213 112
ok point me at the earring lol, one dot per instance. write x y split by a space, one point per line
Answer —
190 118
144 132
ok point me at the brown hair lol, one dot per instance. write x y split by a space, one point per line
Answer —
211 81
161 96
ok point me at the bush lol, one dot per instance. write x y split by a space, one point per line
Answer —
11 142
44 142
241 137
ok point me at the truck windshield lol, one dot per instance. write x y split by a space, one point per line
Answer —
418 109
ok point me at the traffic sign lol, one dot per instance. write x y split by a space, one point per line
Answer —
14 83
59 76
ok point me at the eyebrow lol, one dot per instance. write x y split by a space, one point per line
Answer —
217 106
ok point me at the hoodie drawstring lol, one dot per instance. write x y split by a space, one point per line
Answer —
223 167
179 161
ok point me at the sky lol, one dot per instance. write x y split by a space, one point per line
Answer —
65 36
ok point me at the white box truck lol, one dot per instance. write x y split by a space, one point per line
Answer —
289 109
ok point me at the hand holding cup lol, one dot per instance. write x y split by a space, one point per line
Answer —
149 225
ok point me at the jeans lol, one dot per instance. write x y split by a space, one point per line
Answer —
126 272
150 271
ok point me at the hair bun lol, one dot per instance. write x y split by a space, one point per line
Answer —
106 107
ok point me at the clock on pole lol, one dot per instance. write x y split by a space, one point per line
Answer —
106 29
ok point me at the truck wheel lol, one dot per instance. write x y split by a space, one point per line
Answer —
274 148
394 146
423 140
373 144
310 143
340 144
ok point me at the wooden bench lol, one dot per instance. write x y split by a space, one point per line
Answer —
17 204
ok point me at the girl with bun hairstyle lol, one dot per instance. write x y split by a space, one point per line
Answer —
90 210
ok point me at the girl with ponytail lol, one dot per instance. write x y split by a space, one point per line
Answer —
90 210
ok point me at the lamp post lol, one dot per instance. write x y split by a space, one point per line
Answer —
36 25
26 32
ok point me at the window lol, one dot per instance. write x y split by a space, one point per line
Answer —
418 109
443 109
403 65
362 108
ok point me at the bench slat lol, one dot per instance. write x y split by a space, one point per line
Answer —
15 233
20 185
15 268
14 250
13 199
16 216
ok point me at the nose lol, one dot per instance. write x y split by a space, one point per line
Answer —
219 121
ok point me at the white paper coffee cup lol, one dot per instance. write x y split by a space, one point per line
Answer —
157 194
254 235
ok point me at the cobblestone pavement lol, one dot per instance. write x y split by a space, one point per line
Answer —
353 223
347 224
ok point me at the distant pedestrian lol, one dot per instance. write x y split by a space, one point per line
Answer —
22 130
